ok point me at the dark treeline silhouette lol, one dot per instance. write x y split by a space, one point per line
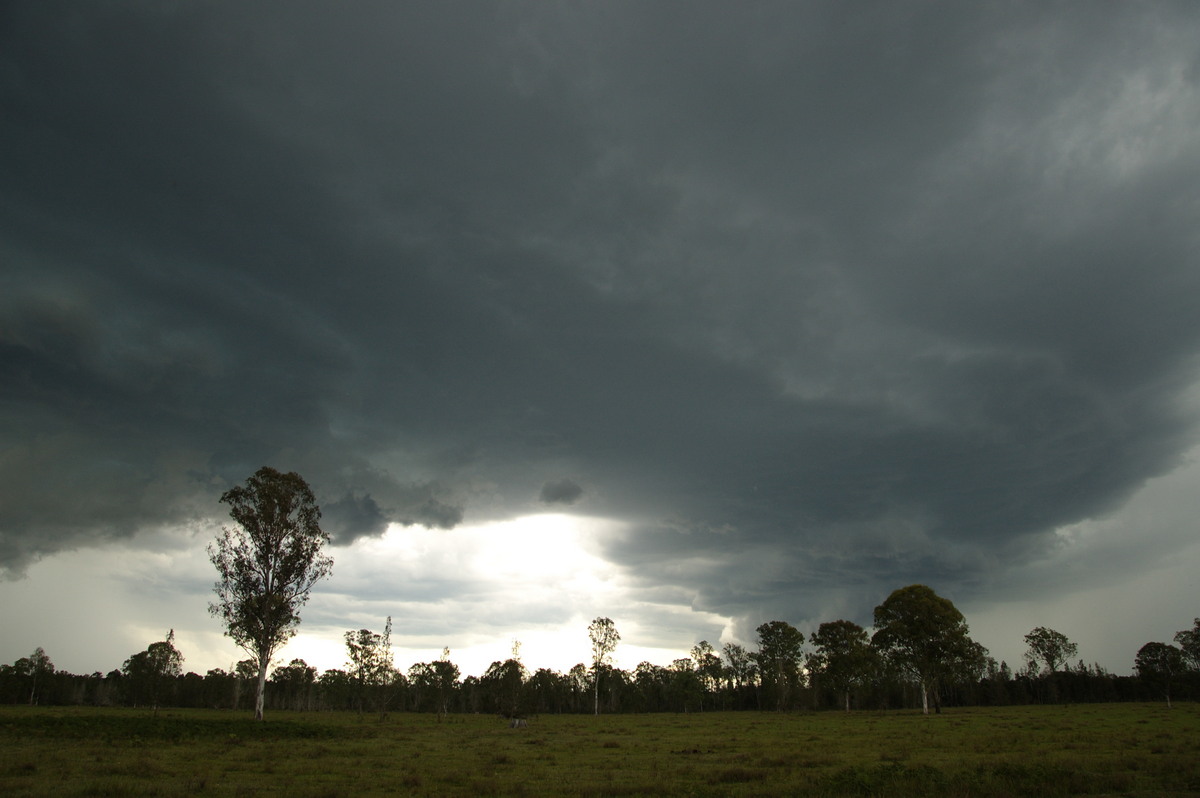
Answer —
508 688
838 668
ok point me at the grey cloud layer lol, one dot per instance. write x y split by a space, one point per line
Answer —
870 294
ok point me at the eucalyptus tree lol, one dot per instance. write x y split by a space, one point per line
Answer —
1158 665
925 637
296 681
740 668
708 664
1049 648
685 689
780 659
503 685
580 685
35 670
150 672
437 680
372 669
651 684
546 691
1189 644
604 636
842 657
267 564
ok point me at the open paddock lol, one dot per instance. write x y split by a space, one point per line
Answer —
1096 749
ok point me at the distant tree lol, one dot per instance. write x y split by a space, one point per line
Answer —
335 689
740 664
189 690
268 564
779 657
1158 665
371 666
1049 648
842 657
1189 644
35 671
604 636
708 667
150 672
446 676
684 688
436 681
296 681
1052 650
925 637
245 680
580 684
998 677
504 685
220 688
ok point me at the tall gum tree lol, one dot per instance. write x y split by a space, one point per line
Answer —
372 669
604 636
268 564
925 636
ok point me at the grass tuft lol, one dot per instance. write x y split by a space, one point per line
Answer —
738 776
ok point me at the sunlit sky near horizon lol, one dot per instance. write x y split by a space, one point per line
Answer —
694 315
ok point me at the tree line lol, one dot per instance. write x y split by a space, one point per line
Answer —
920 653
838 668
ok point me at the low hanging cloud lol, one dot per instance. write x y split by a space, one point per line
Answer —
432 513
352 517
561 491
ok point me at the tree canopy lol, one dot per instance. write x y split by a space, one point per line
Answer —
842 656
1049 648
1159 665
1189 644
779 657
150 672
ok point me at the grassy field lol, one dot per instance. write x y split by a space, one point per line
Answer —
1105 749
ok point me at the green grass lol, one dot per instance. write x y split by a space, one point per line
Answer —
1102 749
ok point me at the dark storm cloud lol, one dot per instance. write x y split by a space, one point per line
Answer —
560 491
820 299
352 516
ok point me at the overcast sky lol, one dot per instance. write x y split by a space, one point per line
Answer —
694 315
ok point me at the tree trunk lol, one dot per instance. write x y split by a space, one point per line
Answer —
847 700
924 699
597 691
262 688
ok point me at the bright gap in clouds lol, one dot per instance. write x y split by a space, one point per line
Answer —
476 589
